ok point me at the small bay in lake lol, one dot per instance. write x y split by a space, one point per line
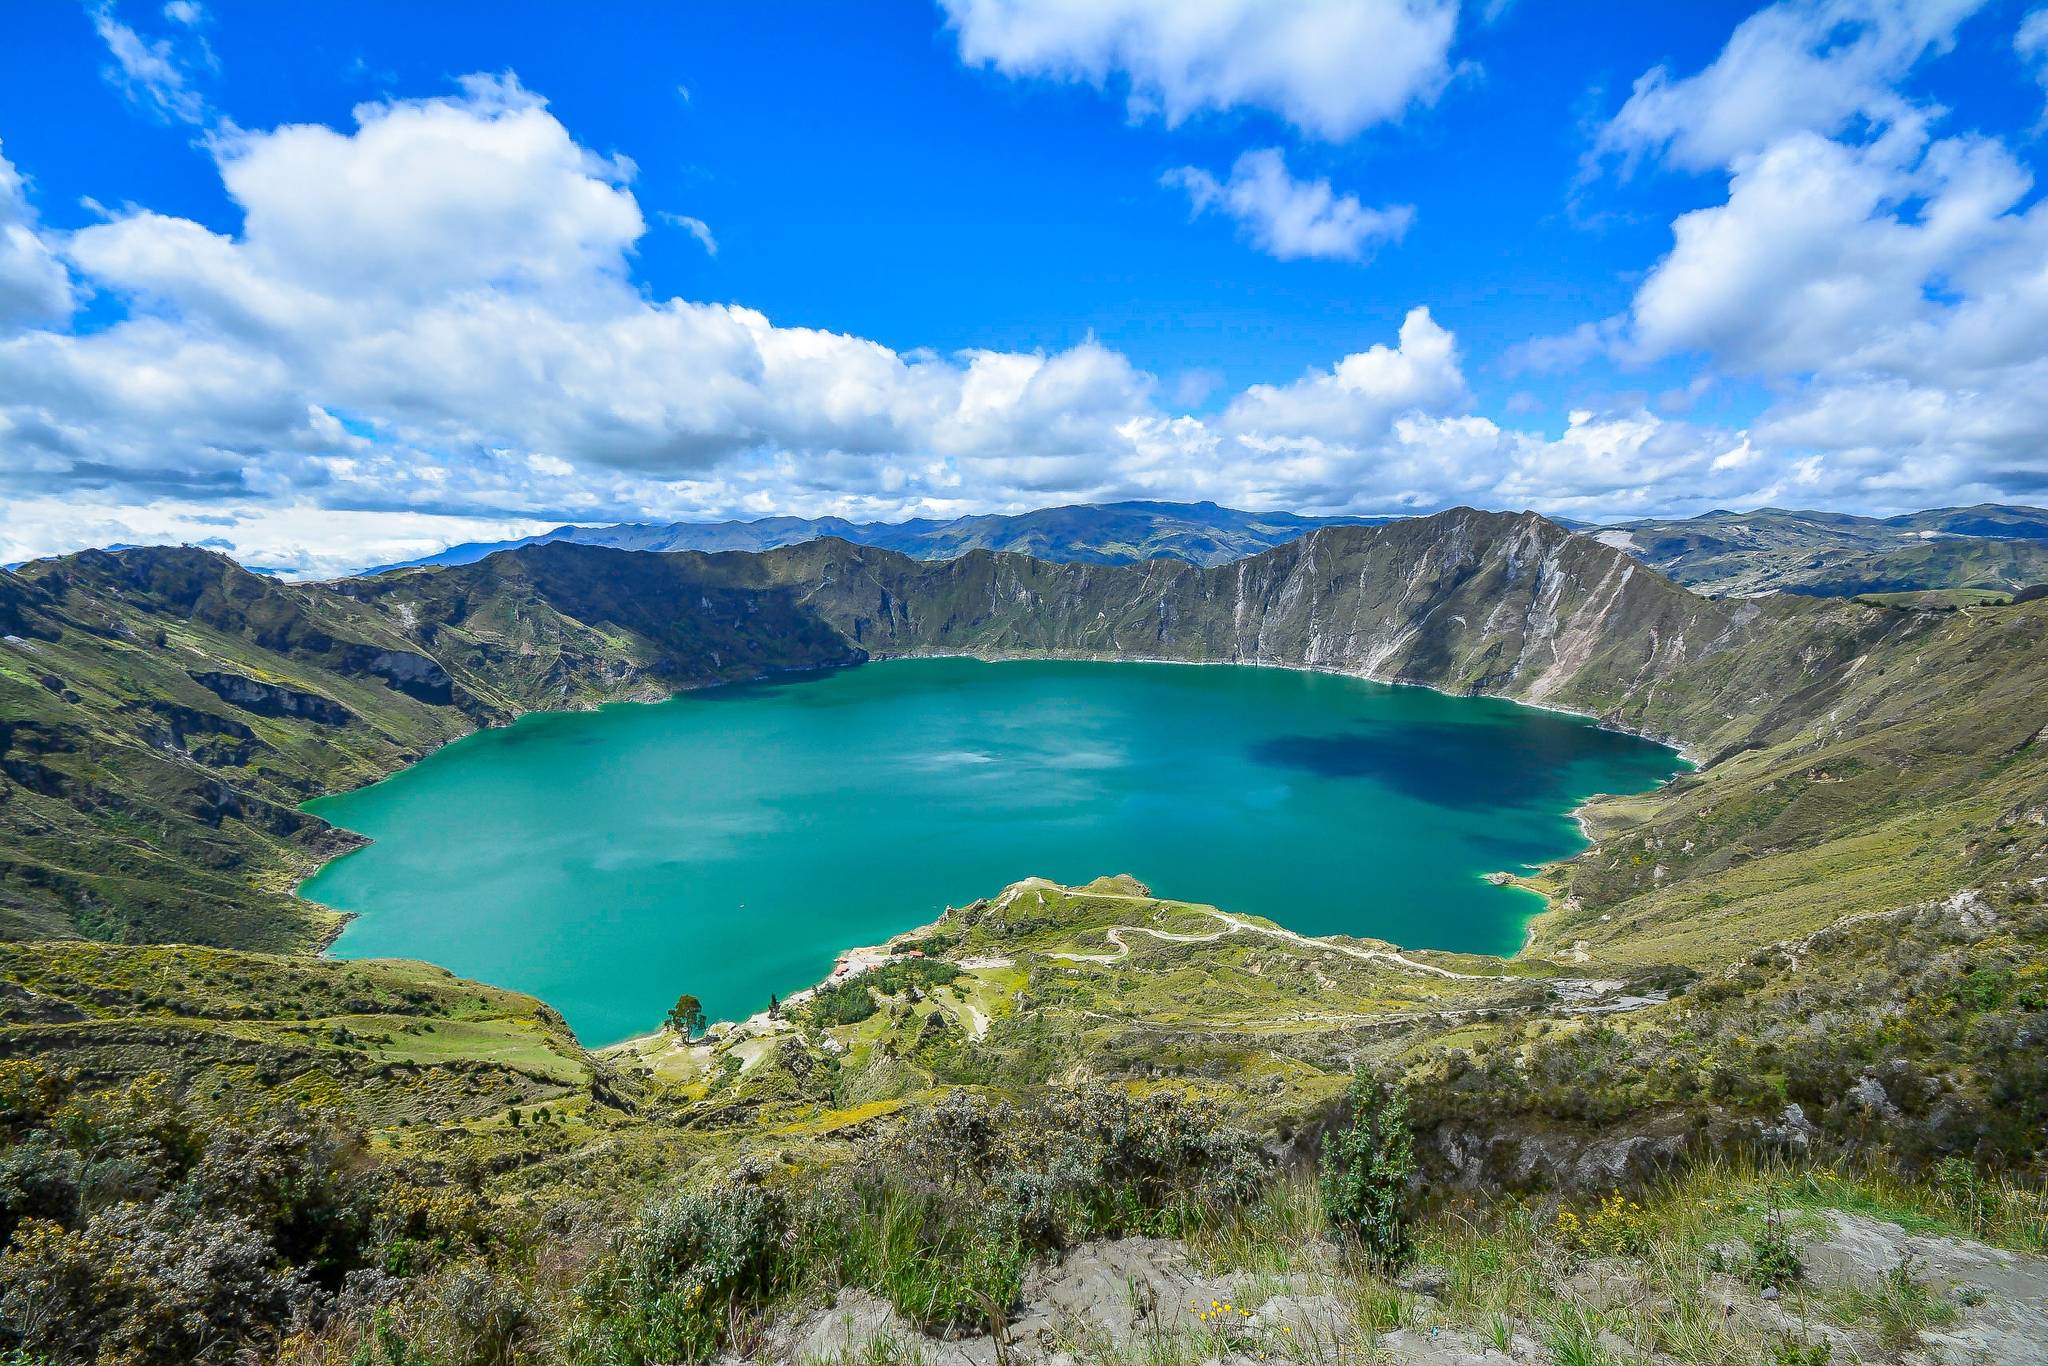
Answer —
730 843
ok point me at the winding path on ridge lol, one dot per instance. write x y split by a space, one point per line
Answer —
1237 925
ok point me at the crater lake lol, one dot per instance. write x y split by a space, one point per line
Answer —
731 842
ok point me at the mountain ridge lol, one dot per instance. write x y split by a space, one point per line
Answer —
1833 554
173 683
1994 547
1136 529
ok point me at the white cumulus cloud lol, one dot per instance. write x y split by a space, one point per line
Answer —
1330 67
33 285
1889 286
426 327
1288 218
1801 66
1356 400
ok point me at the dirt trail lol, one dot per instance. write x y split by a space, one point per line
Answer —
1236 925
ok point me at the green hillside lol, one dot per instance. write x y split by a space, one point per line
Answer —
1827 940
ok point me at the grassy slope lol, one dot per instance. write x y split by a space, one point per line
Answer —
1937 1004
1518 1067
137 804
1841 777
1105 982
1959 563
140 805
386 1042
1911 770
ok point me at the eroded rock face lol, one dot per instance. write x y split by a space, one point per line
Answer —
1533 1160
273 699
414 675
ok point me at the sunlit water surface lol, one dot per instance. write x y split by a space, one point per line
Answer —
731 842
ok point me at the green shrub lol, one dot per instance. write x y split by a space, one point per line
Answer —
1156 1164
693 1261
144 1232
891 978
1773 1256
38 1180
1082 1162
142 1285
29 1094
486 1314
1367 1167
847 1003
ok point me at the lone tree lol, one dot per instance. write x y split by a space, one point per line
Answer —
686 1016
1367 1167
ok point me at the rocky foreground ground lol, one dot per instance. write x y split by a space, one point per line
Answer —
1149 1300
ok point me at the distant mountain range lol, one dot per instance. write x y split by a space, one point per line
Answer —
1835 554
1086 533
1720 553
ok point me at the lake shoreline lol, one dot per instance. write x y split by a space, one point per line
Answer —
1514 920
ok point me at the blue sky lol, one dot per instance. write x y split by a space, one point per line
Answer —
323 283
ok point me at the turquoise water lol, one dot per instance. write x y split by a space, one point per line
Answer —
730 843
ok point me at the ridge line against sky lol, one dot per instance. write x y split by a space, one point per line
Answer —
325 288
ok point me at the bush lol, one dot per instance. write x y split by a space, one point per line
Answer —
1773 1256
848 1003
941 1218
29 1094
142 1285
38 1180
142 1232
298 1180
1155 1165
891 978
1616 1227
692 1262
1085 1162
1366 1171
486 1314
950 1207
